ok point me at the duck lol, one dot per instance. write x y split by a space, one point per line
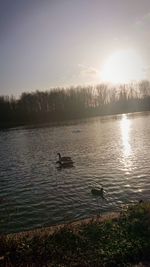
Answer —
65 162
98 192
64 159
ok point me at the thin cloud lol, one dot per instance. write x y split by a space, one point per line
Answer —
89 71
143 20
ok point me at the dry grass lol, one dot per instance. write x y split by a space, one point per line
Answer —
112 240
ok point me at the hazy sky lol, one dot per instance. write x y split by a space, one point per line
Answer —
49 43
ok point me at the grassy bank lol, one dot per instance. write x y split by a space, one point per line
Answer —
112 241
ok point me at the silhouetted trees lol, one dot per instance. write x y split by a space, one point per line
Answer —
75 102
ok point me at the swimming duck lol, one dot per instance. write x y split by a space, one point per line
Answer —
98 192
64 159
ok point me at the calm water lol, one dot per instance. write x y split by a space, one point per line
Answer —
113 152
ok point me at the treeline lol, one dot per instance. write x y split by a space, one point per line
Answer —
75 102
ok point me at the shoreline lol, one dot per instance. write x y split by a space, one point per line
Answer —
114 239
76 223
34 125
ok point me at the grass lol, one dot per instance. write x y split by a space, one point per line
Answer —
120 241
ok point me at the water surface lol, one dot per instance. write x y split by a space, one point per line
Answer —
112 151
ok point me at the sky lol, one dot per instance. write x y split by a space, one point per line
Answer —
60 43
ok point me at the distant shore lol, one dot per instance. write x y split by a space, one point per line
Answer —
5 126
61 104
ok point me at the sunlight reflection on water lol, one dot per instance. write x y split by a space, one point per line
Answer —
125 125
127 152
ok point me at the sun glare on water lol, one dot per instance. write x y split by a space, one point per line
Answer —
125 133
123 67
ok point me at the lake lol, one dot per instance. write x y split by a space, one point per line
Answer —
110 151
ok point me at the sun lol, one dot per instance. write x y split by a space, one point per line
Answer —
123 66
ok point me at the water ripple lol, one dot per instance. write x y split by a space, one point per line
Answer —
34 193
